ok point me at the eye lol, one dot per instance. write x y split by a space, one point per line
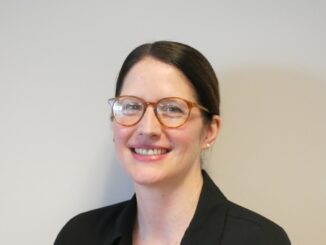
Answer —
132 107
171 109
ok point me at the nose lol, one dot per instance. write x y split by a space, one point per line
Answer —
149 125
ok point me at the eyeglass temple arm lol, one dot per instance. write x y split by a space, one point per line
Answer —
201 107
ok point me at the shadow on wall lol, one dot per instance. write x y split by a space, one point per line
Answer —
268 109
270 155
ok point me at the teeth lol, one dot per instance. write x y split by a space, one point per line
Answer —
150 152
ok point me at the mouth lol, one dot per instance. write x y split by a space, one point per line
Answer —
149 151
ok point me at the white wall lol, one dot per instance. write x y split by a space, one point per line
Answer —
58 64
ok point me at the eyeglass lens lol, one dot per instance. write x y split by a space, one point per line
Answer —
171 112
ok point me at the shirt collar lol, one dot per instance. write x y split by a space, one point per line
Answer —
210 215
208 220
124 223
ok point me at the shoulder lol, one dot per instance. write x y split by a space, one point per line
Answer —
91 226
245 226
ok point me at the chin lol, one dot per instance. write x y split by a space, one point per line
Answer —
148 177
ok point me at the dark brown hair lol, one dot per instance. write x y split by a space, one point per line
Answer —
189 61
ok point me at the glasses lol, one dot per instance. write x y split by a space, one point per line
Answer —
171 112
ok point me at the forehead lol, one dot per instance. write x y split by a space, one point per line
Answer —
152 79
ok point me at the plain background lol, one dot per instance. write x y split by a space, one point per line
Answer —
58 65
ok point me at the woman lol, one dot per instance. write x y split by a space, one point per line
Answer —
164 115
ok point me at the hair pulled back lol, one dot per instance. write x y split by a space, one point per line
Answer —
186 59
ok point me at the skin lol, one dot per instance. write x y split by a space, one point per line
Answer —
167 185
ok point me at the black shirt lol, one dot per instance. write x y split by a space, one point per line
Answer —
216 221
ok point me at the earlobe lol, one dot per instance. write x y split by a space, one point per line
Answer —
212 131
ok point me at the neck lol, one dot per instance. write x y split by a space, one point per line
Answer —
165 212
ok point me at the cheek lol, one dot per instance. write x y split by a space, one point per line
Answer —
188 139
121 136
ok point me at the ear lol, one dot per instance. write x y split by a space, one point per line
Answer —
211 132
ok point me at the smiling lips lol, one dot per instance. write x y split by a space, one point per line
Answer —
150 152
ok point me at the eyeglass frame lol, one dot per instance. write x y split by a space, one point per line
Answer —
190 105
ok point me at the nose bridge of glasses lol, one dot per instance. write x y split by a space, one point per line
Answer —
152 104
153 114
149 103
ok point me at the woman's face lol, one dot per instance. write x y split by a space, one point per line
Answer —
149 152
